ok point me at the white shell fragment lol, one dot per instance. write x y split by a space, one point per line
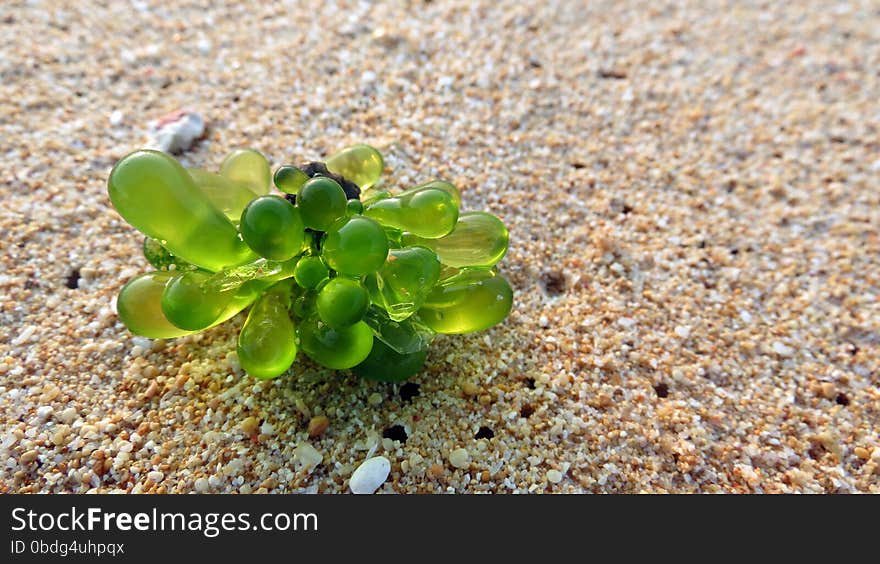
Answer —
371 474
176 132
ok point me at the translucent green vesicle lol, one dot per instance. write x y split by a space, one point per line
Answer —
140 309
265 271
273 228
321 201
290 179
342 302
384 364
228 196
404 281
267 342
151 191
447 187
472 300
405 337
335 348
355 246
427 212
361 163
310 271
250 168
479 240
188 304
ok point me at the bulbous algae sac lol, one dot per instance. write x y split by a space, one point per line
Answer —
479 240
404 281
250 168
267 342
228 196
361 163
139 307
156 195
338 349
471 300
429 213
189 304
447 187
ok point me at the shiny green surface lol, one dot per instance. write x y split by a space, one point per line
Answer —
354 207
342 302
404 281
384 364
139 307
188 304
355 246
471 301
321 201
267 342
361 163
479 239
290 179
152 192
447 187
405 337
427 212
310 271
272 227
335 348
250 168
227 196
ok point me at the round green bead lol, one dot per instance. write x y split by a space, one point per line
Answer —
355 246
354 207
267 342
342 302
384 364
188 304
321 202
272 227
338 349
310 271
139 307
250 168
361 163
290 179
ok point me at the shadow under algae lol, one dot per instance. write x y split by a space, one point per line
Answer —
351 274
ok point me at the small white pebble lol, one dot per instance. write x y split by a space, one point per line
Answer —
116 117
307 456
371 474
202 485
782 349
683 331
374 399
543 321
69 415
156 476
44 411
554 476
460 458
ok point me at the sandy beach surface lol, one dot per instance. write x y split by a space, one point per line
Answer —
693 195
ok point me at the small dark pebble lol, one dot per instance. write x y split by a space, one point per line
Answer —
662 390
316 168
842 399
72 281
612 73
553 282
30 284
395 433
530 383
526 411
578 166
409 390
484 433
